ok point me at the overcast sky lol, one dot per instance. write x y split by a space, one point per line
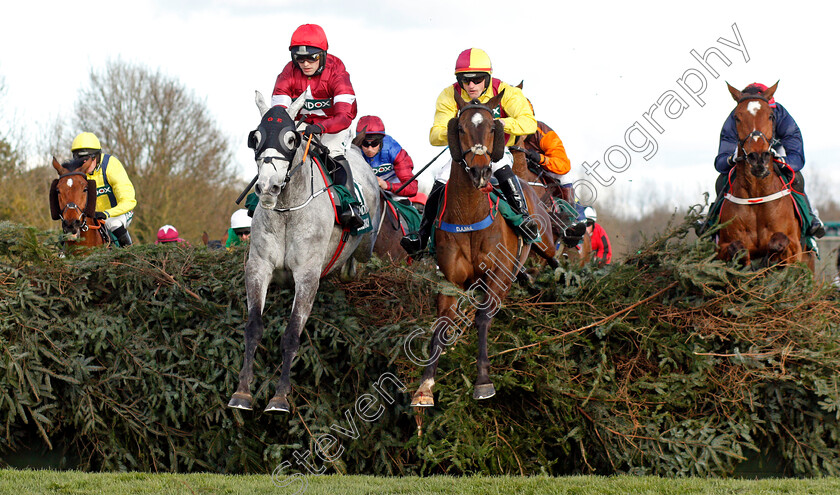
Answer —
592 71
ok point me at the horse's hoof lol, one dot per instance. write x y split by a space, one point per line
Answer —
484 391
422 399
277 404
240 401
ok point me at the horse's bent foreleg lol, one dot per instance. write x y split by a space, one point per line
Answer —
731 251
440 338
257 276
781 249
306 286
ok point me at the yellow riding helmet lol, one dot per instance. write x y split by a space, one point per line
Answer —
86 141
473 60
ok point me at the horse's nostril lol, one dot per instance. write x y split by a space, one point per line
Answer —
274 190
258 189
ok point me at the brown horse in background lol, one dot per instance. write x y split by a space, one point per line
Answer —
761 218
73 201
486 259
560 219
391 230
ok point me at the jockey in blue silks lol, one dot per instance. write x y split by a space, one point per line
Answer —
787 146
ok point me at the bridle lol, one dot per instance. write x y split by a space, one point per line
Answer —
476 149
73 206
291 170
756 157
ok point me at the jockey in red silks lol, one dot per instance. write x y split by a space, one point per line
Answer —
389 161
787 147
474 81
601 247
329 111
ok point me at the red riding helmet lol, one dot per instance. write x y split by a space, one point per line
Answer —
761 88
370 124
310 40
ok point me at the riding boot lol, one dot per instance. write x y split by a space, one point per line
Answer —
512 190
415 243
351 217
121 233
816 228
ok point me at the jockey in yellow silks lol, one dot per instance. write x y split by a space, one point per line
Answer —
114 191
473 71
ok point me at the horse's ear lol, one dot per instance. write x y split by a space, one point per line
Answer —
357 141
258 98
54 211
296 105
494 101
498 141
453 135
459 101
520 84
58 168
90 207
768 93
736 94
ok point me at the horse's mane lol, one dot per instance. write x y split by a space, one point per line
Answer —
73 164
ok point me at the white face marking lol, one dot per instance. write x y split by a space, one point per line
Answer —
477 119
69 182
753 107
756 138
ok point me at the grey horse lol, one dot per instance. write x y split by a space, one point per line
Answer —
294 236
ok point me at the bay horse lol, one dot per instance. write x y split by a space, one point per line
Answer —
295 238
489 258
391 229
563 217
762 219
73 201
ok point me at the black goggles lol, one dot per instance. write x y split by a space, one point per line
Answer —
371 143
464 80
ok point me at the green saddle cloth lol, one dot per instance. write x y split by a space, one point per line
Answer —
406 212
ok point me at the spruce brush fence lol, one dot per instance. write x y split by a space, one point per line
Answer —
666 363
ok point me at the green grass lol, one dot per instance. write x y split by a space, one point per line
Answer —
71 482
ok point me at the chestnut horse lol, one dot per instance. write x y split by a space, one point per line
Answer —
73 201
761 217
483 252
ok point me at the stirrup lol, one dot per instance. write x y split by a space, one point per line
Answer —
412 244
351 219
529 229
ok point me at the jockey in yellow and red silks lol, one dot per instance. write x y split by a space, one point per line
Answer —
473 79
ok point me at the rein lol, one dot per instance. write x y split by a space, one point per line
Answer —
312 193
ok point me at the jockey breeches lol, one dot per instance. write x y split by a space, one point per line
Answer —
123 220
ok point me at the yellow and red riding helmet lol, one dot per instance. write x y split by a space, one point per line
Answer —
473 62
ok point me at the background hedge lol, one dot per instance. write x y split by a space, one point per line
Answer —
666 363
